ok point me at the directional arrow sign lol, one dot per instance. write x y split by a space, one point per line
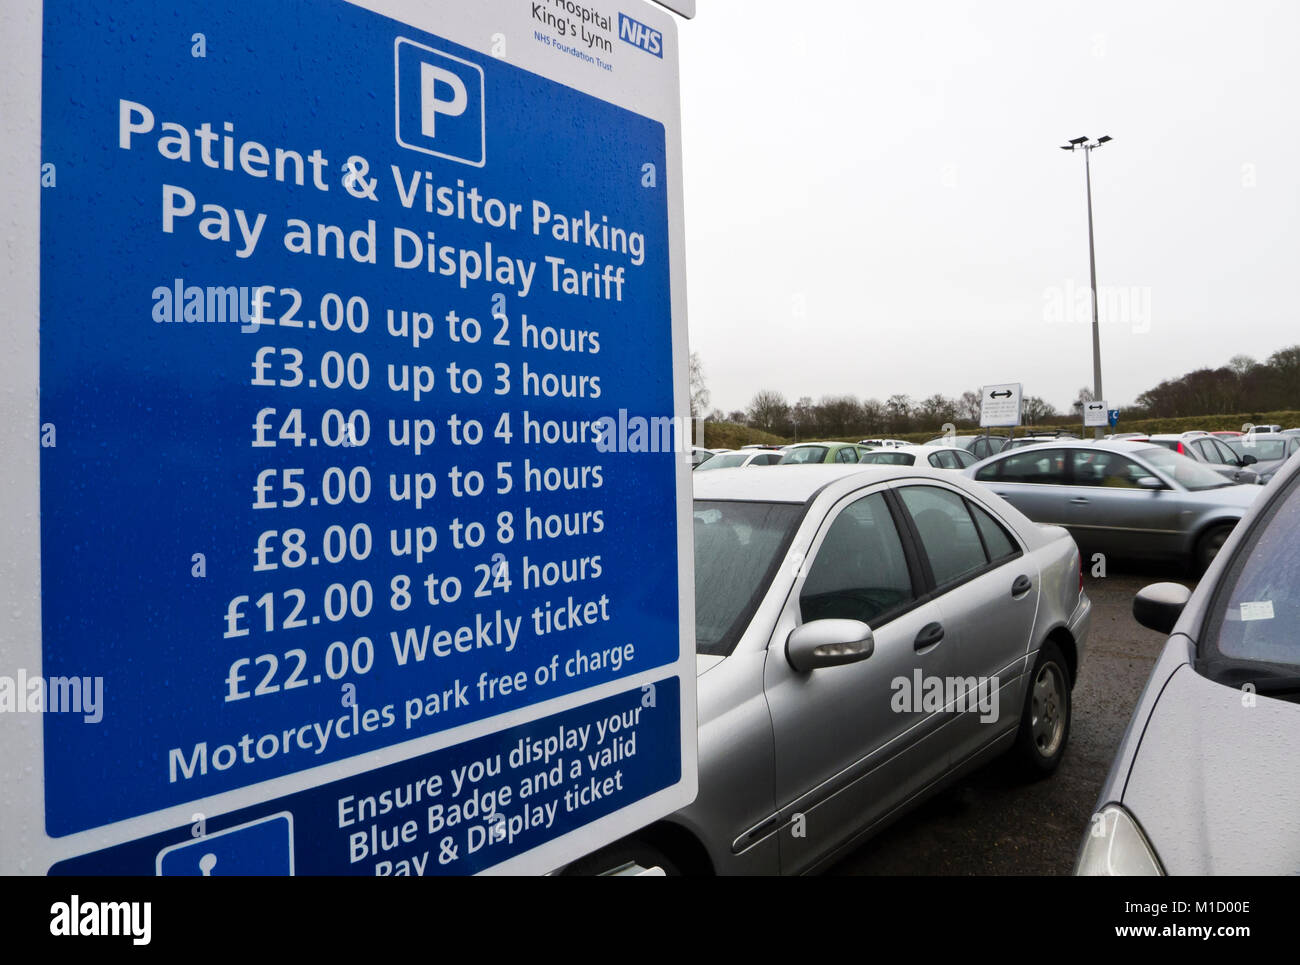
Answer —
1000 405
1095 414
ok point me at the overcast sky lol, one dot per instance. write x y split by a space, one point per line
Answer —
875 201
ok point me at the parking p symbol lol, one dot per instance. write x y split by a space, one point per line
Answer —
431 105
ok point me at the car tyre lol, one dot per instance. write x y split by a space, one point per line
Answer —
619 855
1045 719
1208 546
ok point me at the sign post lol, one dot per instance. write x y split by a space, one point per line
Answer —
350 534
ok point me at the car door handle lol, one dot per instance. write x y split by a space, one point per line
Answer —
1021 586
1079 500
930 634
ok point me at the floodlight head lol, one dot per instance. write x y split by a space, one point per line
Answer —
1104 138
1079 140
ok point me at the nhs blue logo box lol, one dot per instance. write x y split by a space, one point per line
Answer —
328 529
439 104
638 34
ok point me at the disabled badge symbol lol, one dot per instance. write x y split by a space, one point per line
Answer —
261 848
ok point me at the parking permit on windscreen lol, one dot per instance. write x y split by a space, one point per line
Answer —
1261 610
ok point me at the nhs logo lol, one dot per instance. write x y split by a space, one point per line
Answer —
638 34
439 102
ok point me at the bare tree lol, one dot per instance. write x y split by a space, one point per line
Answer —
1035 410
699 394
769 411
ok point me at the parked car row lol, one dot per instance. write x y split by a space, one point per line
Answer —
819 588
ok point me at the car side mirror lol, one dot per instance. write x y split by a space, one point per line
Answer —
1150 482
1158 606
1247 460
828 643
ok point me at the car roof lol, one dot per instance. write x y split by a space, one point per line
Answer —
1115 445
798 484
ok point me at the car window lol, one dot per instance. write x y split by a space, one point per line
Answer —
804 454
997 541
847 454
944 460
860 572
1097 467
1029 465
1257 608
724 460
1226 455
1207 451
767 459
888 457
948 534
964 459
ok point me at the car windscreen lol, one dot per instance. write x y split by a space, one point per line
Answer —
889 458
1186 472
738 546
1265 450
804 454
1251 631
725 460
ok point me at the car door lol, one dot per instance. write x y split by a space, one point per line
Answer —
1032 479
988 588
1111 513
846 751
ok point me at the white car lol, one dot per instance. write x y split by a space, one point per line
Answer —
936 457
883 443
738 460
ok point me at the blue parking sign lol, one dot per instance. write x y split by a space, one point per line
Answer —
439 103
353 367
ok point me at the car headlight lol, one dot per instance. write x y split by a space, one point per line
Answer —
1115 845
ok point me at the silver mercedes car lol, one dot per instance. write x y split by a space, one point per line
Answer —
1205 778
865 636
1124 498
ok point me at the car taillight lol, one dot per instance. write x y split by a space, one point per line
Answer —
1180 449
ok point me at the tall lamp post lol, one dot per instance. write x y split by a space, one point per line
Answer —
1087 146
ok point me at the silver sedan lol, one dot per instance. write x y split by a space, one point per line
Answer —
1205 779
865 636
1124 498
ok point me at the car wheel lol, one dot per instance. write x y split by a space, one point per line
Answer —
1208 546
620 855
1045 720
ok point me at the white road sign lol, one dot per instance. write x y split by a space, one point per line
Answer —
1000 405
